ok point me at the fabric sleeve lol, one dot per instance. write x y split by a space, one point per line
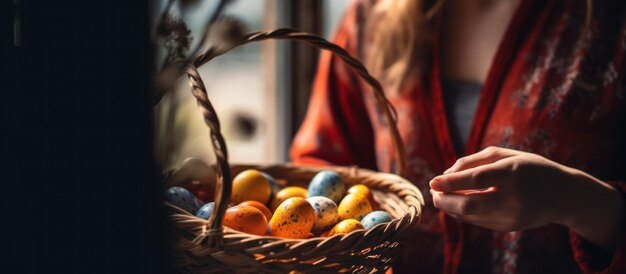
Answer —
336 129
591 258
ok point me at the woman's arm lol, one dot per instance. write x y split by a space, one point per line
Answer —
507 190
592 209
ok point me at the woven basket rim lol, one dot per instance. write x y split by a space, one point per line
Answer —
314 168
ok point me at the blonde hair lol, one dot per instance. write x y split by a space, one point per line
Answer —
398 39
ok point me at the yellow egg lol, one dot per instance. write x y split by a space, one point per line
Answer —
247 219
250 185
293 219
354 206
286 193
363 189
359 188
345 226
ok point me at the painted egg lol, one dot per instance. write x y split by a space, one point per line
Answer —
274 187
182 198
247 219
328 184
375 217
363 189
205 192
325 211
354 206
250 185
259 206
205 211
345 226
294 219
286 193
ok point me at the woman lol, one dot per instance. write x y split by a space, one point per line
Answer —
513 116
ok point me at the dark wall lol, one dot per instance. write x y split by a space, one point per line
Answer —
77 179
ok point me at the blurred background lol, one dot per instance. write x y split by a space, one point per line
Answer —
260 91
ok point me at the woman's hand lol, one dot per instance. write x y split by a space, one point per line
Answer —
508 190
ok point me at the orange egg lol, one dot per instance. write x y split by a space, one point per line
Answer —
354 206
294 219
247 219
286 193
250 185
259 206
363 189
345 226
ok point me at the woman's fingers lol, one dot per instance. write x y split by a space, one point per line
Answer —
477 204
477 178
483 157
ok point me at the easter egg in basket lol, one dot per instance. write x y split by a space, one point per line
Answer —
182 198
286 193
294 219
247 219
203 191
325 211
374 218
250 185
205 211
354 206
364 190
345 226
259 206
329 184
274 187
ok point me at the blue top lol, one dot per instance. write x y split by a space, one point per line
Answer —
460 101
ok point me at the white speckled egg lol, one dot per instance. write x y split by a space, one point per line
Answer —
329 184
182 198
375 217
325 211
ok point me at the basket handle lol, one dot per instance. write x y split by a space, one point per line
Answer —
224 179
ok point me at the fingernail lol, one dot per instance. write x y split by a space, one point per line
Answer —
435 185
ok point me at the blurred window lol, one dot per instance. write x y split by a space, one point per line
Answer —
260 91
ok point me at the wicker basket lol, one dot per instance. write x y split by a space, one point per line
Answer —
205 246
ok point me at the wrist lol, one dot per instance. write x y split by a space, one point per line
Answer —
591 208
571 199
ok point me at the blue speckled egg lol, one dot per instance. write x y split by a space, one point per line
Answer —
182 198
328 184
275 188
205 211
375 217
325 211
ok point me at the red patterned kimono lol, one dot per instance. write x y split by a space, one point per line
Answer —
547 93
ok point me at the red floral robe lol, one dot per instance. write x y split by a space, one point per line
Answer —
546 93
